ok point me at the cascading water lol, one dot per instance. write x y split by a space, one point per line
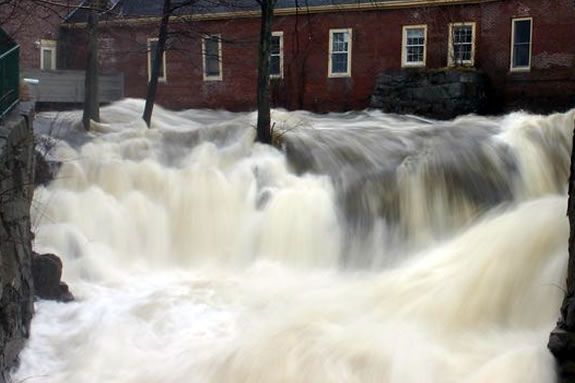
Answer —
378 248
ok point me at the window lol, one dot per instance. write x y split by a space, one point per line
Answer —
461 44
414 40
277 55
48 55
339 53
521 30
152 46
212 53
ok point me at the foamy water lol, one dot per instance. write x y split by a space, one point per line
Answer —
379 249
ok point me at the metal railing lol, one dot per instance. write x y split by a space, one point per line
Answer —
9 80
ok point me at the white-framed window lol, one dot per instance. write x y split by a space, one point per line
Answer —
152 46
521 42
414 51
277 55
212 57
48 55
340 52
461 49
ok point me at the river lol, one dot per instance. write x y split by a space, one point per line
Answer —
371 248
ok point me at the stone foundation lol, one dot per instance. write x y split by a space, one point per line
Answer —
440 94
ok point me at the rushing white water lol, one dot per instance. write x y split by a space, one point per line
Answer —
380 249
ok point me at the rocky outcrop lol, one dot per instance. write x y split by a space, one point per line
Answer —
47 274
562 342
46 167
43 172
16 188
440 94
562 338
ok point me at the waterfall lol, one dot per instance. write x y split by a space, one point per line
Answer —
368 248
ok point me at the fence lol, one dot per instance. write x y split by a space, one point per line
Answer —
9 80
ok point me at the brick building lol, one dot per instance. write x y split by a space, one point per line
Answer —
328 53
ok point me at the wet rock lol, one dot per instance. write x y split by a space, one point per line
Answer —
568 312
65 294
47 274
562 346
45 171
42 170
562 343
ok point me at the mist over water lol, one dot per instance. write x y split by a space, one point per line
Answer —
372 248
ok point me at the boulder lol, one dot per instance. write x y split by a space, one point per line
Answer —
47 274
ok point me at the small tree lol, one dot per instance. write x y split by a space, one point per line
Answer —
264 133
91 91
156 62
171 9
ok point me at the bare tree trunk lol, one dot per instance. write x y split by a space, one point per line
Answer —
264 134
91 92
562 339
158 56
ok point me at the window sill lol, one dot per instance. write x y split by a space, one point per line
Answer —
211 79
414 65
520 70
465 64
339 75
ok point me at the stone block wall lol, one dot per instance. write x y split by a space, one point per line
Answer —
441 94
16 188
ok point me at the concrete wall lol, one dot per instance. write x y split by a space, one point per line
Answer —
67 86
16 188
377 37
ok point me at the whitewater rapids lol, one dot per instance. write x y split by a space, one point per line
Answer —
372 248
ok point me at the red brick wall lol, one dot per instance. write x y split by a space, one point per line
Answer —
552 76
377 37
